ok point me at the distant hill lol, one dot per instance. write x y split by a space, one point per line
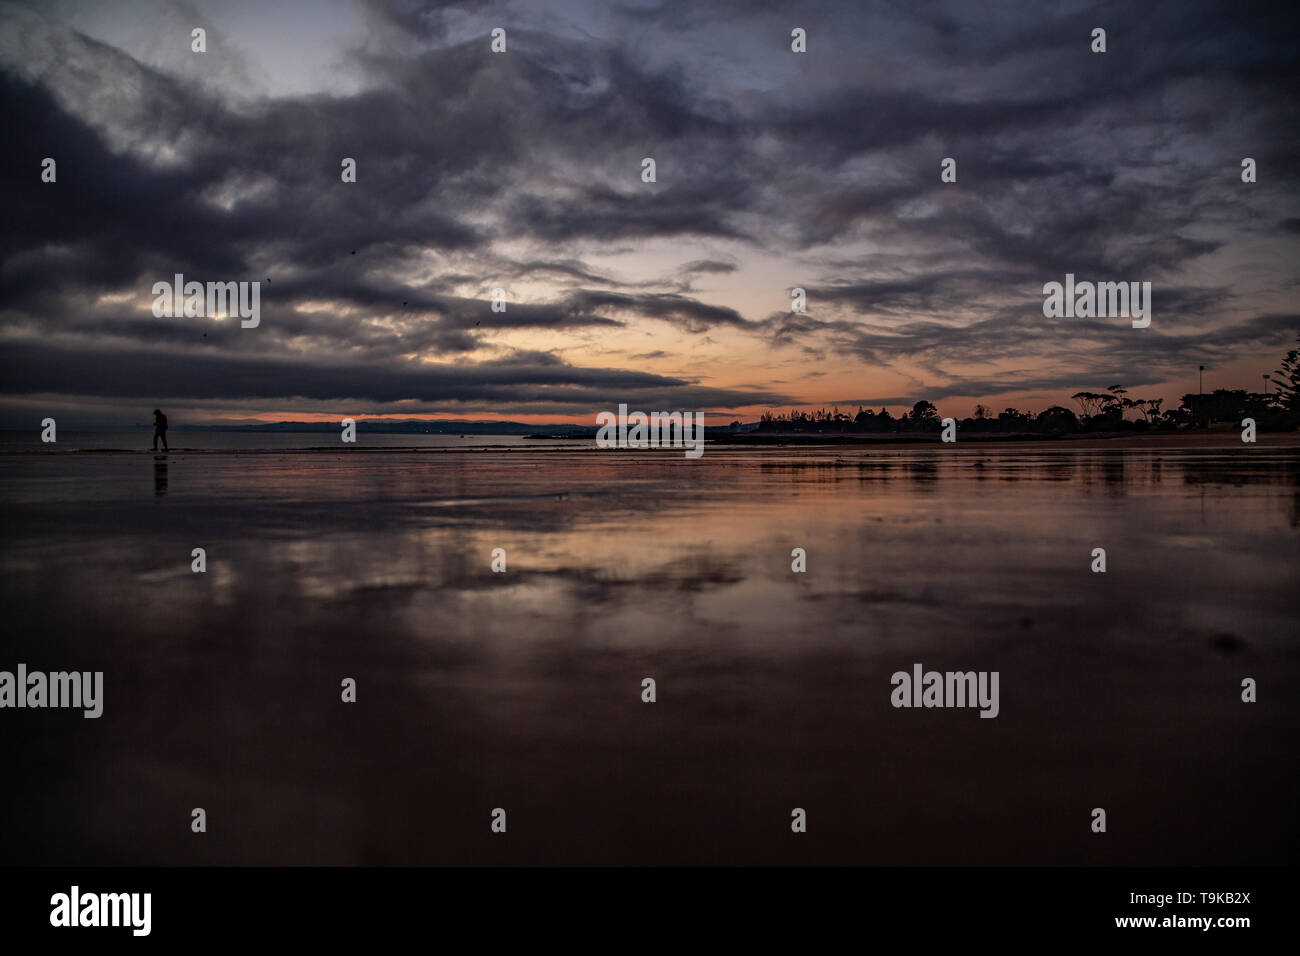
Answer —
375 426
407 427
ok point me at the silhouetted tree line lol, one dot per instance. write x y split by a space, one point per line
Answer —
1106 411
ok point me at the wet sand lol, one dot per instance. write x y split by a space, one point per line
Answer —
523 690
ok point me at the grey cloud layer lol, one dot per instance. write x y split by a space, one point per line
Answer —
477 169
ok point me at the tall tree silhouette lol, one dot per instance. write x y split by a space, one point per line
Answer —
1287 380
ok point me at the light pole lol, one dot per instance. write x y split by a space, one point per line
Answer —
1200 394
1265 384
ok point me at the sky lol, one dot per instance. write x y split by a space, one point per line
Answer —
522 171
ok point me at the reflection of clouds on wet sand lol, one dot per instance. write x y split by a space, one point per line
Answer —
478 689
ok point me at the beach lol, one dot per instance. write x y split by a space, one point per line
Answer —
523 689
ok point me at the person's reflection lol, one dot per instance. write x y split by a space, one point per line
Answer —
159 475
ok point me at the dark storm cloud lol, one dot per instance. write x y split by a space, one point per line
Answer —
423 19
1014 334
476 170
603 213
139 374
569 268
708 265
1102 349
682 311
423 325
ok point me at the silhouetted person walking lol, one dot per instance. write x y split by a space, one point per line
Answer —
159 429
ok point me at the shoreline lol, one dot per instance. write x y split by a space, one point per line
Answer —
1008 443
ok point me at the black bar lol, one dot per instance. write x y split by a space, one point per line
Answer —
660 906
